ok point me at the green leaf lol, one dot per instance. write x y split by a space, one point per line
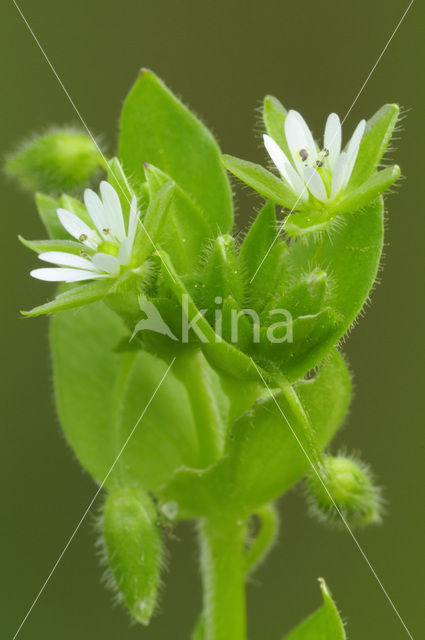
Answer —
262 181
157 128
187 229
264 459
101 393
369 190
74 297
350 253
376 137
324 624
274 116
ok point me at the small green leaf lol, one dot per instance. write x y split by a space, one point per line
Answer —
274 116
262 181
75 206
59 160
378 132
74 297
157 128
368 191
324 624
134 550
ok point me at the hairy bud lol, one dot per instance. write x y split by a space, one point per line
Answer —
349 487
133 546
57 161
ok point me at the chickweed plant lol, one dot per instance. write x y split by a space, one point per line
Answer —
201 377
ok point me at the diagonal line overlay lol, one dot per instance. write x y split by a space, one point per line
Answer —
341 515
304 190
55 566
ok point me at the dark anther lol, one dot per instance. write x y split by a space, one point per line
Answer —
303 154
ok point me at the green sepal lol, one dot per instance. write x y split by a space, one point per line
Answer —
350 253
262 181
368 191
378 132
154 221
324 624
274 116
303 223
132 541
188 228
47 208
262 257
222 355
222 275
74 297
157 128
59 160
264 459
39 246
306 296
302 341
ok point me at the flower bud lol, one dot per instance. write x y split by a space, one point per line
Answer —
57 161
349 487
133 547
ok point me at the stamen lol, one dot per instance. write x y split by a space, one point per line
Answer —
106 231
84 254
82 237
319 163
303 154
325 152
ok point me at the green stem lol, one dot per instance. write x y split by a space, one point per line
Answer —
223 576
262 544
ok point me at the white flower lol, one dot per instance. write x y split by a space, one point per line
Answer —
324 173
106 246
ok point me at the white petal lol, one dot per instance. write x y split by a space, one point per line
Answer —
113 210
106 262
315 184
63 274
96 211
353 148
298 136
338 175
284 166
67 260
332 140
77 228
126 248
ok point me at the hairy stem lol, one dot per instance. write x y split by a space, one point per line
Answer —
223 576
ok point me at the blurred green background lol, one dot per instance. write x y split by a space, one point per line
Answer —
221 57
